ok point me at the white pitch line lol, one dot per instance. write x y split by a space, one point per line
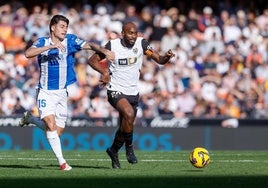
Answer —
143 160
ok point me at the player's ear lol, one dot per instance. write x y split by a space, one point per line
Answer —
52 28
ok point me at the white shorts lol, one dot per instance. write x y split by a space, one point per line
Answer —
53 102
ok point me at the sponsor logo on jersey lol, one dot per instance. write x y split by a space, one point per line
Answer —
122 61
127 61
132 60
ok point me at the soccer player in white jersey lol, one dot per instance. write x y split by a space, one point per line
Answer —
121 79
55 55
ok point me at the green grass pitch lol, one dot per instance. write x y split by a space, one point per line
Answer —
154 169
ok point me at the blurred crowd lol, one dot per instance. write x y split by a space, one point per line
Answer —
220 68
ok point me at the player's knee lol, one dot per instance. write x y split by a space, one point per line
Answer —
130 116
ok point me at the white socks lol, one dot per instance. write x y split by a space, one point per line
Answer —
54 141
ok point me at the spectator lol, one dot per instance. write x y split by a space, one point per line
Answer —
254 57
262 19
18 108
205 19
185 103
230 108
191 51
170 40
231 32
191 21
15 42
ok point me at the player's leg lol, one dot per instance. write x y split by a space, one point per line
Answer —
128 136
48 108
53 138
118 141
28 118
61 120
115 147
127 109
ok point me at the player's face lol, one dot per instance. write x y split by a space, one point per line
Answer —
130 35
60 30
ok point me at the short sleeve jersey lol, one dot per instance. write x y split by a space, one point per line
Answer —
56 66
125 70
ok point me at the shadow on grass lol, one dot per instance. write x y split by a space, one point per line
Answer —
20 166
55 167
148 182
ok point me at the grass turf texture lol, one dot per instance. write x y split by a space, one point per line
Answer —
154 169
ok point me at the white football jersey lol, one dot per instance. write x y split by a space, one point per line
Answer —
125 70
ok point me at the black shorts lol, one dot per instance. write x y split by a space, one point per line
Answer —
115 96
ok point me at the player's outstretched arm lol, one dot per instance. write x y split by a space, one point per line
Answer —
34 51
97 48
162 59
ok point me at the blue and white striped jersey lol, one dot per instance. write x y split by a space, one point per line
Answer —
56 66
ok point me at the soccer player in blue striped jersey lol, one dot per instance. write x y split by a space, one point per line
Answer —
55 55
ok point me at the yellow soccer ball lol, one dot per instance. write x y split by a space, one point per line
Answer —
199 157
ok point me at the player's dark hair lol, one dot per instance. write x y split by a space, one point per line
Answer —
55 19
